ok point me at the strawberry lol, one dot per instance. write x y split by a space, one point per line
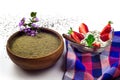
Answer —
83 28
80 36
96 45
74 35
105 37
106 29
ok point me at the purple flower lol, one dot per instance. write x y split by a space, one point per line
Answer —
26 30
35 19
21 23
29 28
32 32
34 25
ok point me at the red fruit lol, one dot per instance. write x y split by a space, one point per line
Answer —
80 36
73 35
105 37
96 45
106 29
83 28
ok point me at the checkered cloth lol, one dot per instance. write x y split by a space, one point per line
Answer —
104 66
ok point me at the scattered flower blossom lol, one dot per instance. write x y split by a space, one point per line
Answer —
31 27
35 19
34 25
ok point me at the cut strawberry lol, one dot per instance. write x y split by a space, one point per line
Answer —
106 29
105 37
74 35
96 45
80 36
83 28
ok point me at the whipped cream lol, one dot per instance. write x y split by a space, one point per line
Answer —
96 35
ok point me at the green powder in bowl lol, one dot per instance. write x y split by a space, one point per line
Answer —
34 47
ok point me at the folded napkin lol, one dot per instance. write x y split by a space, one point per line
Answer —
103 66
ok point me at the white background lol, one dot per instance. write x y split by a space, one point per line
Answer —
95 13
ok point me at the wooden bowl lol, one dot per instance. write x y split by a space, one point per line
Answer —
36 63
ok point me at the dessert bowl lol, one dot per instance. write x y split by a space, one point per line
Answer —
87 49
86 41
35 63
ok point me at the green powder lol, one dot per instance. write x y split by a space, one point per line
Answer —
34 47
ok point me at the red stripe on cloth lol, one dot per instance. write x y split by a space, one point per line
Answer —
117 72
87 62
88 76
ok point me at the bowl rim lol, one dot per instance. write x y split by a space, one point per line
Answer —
51 53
